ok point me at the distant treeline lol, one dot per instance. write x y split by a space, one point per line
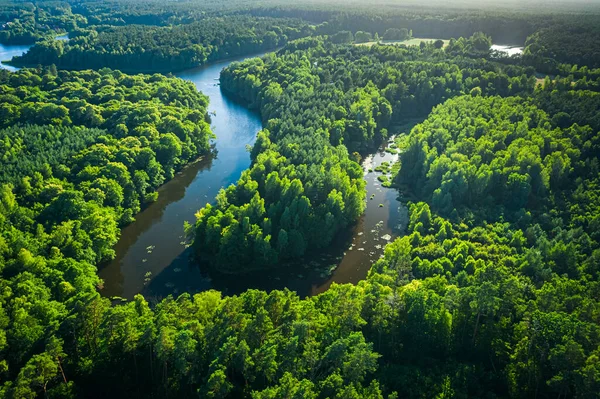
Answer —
165 49
132 36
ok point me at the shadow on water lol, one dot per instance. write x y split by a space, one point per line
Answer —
184 275
134 237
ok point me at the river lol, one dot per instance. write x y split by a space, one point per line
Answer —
151 257
151 249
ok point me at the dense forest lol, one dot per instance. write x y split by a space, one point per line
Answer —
81 153
25 23
493 290
323 105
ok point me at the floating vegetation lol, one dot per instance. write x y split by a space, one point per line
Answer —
384 167
118 299
327 270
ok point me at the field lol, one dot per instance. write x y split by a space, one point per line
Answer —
415 41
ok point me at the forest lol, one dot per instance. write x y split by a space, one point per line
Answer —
175 36
327 111
492 291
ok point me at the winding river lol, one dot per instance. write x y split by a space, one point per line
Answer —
151 257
